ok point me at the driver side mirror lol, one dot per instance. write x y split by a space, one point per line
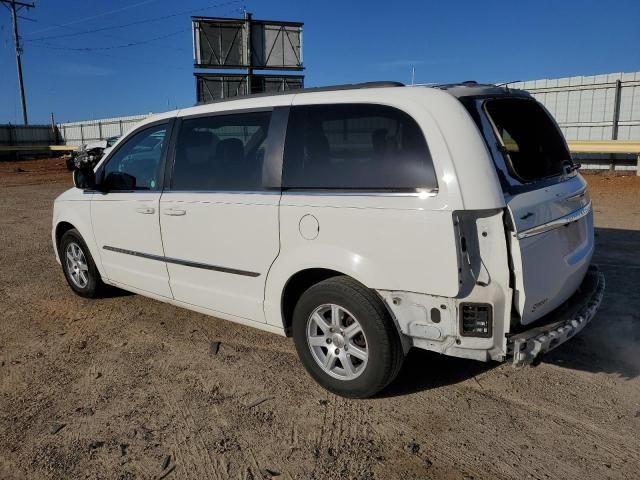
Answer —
84 178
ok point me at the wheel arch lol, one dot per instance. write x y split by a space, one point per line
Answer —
76 215
62 228
297 269
302 280
296 285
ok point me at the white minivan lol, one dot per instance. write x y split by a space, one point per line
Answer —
363 220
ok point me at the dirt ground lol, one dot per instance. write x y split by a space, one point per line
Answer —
127 387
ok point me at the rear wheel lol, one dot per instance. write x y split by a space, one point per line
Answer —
346 339
78 265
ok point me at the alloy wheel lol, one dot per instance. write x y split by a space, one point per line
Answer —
337 342
77 267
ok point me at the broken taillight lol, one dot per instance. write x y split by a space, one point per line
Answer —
476 319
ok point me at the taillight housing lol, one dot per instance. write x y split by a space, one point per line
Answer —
476 320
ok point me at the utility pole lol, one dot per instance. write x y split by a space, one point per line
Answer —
12 4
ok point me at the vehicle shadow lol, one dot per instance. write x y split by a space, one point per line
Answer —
424 370
611 343
114 292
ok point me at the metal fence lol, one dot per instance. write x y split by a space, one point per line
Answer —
597 107
27 135
78 133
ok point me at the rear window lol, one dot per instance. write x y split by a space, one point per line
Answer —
533 145
355 146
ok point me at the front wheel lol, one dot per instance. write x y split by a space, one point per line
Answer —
346 339
78 265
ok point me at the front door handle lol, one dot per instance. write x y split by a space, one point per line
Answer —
146 210
175 212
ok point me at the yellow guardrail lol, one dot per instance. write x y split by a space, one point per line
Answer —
604 146
37 148
607 146
576 146
594 146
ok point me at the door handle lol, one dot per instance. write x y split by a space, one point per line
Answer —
175 212
146 210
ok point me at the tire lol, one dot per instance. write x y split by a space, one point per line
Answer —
79 268
329 356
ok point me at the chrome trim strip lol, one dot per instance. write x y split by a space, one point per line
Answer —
223 192
578 195
363 193
311 192
559 222
185 263
226 112
114 192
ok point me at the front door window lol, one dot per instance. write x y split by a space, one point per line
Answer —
136 165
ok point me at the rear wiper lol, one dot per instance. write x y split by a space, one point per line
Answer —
570 166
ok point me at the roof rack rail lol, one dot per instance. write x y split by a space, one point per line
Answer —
353 86
330 88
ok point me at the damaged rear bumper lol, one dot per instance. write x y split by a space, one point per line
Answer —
563 323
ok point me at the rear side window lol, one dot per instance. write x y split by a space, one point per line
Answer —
531 140
355 146
221 152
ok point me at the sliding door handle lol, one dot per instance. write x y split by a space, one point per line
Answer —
146 210
175 212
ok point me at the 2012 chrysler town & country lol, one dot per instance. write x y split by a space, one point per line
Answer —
362 220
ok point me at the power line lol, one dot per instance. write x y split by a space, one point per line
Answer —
15 5
129 41
117 37
164 65
98 15
139 22
50 46
114 47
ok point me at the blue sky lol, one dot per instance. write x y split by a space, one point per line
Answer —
344 42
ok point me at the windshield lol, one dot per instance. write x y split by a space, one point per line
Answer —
531 141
